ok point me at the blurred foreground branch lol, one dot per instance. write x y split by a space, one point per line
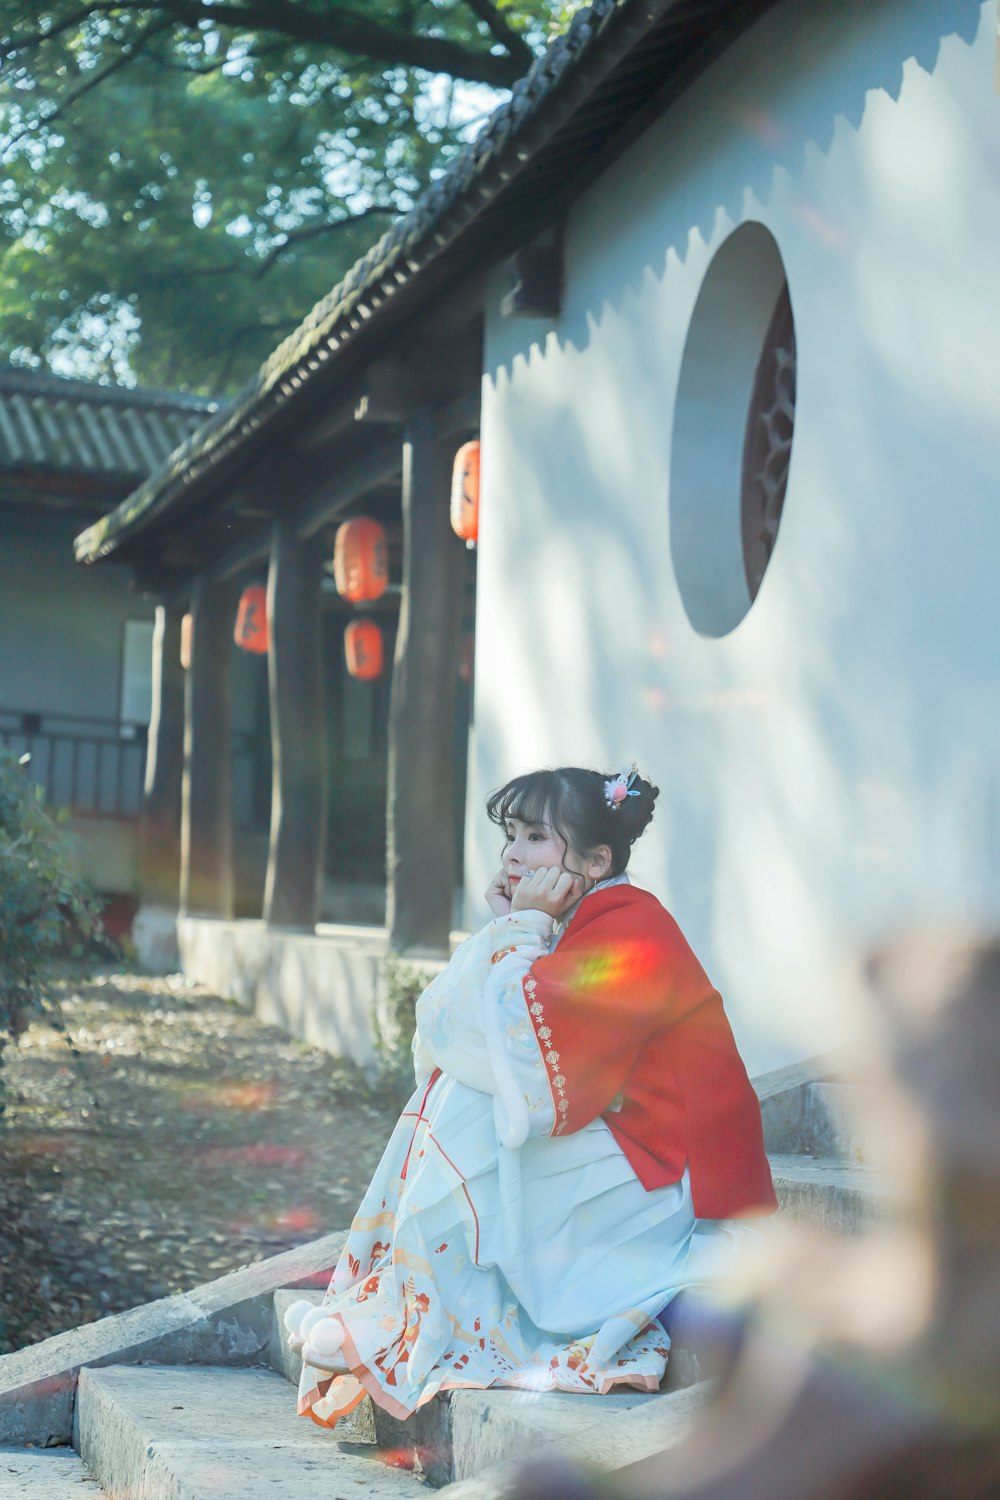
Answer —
869 1369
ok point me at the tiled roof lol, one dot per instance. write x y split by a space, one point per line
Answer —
615 57
76 428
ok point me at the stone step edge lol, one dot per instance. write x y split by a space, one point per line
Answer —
833 1173
642 1431
831 1196
227 1321
235 1431
495 1431
832 1066
791 1124
46 1474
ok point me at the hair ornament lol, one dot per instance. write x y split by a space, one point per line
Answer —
617 788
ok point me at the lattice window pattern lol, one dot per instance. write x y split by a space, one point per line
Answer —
767 445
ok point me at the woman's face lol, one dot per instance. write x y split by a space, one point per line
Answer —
533 846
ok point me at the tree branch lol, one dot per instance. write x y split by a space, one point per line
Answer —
157 274
516 46
338 27
313 231
75 18
238 335
128 55
205 70
353 32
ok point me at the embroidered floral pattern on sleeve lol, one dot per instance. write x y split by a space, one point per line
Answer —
527 1064
557 1081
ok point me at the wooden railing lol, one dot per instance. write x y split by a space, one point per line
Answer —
93 767
96 767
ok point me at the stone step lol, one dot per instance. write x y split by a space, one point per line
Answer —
495 1429
286 1361
833 1123
831 1195
207 1433
45 1474
567 1425
822 1118
815 1109
464 1433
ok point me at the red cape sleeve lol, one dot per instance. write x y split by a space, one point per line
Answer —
621 972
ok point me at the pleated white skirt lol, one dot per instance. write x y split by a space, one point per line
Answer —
471 1265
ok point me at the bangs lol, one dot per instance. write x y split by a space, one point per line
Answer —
529 798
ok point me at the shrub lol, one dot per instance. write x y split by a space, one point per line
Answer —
394 1023
46 909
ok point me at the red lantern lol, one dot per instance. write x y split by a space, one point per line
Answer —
465 493
251 633
361 560
363 649
187 633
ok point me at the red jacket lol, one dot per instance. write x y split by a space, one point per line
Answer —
623 1008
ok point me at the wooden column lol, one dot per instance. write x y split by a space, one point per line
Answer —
298 731
206 821
160 819
420 831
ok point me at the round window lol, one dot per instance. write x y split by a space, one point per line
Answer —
733 428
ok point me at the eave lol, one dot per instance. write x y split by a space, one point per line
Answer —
576 109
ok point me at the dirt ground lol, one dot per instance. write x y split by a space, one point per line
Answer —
188 1140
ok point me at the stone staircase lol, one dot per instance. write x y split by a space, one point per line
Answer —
190 1398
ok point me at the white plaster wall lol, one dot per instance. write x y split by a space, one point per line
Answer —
831 768
61 625
61 645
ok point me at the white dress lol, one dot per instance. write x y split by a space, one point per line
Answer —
487 1251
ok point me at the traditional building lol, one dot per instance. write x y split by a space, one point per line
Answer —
75 658
718 288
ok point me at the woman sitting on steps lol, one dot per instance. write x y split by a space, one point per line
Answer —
583 1141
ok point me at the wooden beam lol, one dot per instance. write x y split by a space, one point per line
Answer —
420 370
242 555
320 499
389 393
206 816
431 375
170 585
420 834
452 311
298 731
160 819
461 417
325 422
380 461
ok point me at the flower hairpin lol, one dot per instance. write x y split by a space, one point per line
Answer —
617 788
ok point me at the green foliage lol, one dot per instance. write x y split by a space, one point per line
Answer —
46 910
182 180
395 1022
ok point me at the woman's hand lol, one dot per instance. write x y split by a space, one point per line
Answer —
498 895
550 890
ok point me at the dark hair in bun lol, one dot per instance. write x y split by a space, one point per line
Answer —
571 801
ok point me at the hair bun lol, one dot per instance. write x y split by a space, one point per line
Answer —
633 813
630 800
